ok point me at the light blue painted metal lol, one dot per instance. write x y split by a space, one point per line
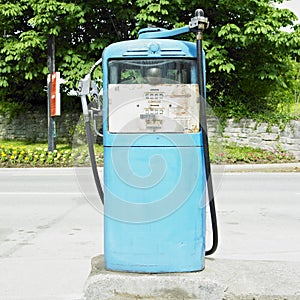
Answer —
161 33
154 209
154 185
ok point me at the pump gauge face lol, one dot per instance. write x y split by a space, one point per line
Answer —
147 96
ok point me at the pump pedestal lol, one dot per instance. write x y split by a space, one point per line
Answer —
104 285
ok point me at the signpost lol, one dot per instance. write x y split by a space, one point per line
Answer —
51 87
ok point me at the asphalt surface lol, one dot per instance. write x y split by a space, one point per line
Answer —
50 229
48 233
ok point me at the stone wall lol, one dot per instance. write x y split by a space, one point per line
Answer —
248 132
33 126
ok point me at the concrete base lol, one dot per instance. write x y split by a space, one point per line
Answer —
221 280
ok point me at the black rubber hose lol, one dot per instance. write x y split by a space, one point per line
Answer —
90 142
203 126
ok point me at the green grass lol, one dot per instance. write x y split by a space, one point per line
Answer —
232 154
24 154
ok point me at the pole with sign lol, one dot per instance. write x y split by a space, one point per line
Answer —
51 87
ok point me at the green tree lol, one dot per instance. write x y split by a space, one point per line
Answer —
82 30
248 54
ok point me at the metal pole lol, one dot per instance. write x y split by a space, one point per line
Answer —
51 68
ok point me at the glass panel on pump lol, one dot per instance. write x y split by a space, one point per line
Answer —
148 96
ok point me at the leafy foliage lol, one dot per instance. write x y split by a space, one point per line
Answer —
249 57
11 109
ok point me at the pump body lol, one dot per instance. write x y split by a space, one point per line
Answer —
154 173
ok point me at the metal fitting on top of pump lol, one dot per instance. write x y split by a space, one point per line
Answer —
199 22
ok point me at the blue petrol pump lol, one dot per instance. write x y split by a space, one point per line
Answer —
156 161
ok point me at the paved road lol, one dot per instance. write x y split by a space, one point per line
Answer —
259 216
49 232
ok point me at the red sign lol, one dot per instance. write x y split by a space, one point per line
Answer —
55 94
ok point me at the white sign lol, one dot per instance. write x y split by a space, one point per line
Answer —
136 108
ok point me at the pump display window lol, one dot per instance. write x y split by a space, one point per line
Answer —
150 95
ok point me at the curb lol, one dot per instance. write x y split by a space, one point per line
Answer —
285 167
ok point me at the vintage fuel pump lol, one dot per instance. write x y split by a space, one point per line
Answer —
156 160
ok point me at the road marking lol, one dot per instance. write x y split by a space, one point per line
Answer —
40 193
49 173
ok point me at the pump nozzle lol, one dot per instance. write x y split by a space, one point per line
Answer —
84 85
